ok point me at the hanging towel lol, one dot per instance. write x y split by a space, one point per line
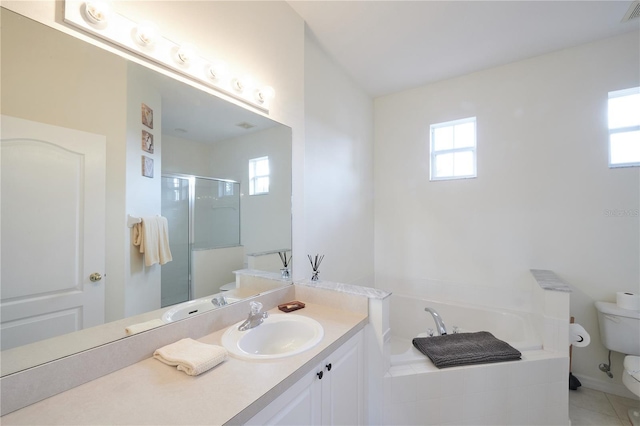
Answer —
465 348
152 236
191 356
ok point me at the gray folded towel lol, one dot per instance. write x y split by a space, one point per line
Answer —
451 350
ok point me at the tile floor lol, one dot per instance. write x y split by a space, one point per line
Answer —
592 407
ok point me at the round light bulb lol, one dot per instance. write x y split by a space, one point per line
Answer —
265 94
217 71
237 85
184 54
146 33
97 11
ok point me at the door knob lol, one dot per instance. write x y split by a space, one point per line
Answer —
95 277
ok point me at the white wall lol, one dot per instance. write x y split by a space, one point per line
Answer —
542 190
185 156
265 219
142 283
338 197
214 268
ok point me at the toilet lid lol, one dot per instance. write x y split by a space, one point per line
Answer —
613 309
632 366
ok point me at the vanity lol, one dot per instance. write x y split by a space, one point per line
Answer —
323 385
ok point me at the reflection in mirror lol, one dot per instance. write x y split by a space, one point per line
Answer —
205 216
62 90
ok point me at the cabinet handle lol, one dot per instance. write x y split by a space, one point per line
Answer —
328 367
319 373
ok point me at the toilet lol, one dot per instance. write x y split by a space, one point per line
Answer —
620 332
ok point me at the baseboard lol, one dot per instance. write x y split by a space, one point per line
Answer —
608 387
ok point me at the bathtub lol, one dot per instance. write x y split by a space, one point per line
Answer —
408 319
532 390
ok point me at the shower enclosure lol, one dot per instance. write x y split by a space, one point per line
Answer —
204 236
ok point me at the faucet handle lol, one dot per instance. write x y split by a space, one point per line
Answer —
430 332
256 307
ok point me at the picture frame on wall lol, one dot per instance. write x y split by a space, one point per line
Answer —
147 142
147 116
147 166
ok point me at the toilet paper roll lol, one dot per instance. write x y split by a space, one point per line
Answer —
626 300
578 336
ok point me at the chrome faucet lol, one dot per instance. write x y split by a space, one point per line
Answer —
219 301
438 320
255 317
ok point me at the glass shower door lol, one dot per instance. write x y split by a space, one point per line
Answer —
175 281
216 214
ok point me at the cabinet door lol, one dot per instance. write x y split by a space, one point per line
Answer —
298 405
343 385
337 397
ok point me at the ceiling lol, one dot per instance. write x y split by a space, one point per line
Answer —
390 46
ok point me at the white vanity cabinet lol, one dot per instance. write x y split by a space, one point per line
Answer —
331 394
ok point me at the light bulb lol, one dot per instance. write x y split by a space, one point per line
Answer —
97 11
184 54
237 85
217 71
265 94
146 33
243 83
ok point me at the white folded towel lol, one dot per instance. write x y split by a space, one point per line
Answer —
152 235
143 326
191 356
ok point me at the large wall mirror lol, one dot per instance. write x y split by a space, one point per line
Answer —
164 148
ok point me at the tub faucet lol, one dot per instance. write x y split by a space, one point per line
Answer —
219 301
438 320
255 317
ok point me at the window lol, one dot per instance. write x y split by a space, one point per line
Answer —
624 128
453 149
259 176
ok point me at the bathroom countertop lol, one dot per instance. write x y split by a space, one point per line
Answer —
151 392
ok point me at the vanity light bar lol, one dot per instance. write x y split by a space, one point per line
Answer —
144 39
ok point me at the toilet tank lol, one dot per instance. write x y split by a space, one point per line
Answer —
619 328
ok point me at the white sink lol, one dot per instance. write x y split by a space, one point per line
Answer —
193 307
280 335
187 309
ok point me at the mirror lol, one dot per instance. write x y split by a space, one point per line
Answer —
52 79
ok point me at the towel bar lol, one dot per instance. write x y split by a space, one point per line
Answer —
131 220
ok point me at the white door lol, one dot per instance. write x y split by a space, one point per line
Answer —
52 199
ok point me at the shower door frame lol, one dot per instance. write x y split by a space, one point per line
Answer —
191 218
190 203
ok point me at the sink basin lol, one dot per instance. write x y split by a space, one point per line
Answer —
193 307
280 335
187 309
